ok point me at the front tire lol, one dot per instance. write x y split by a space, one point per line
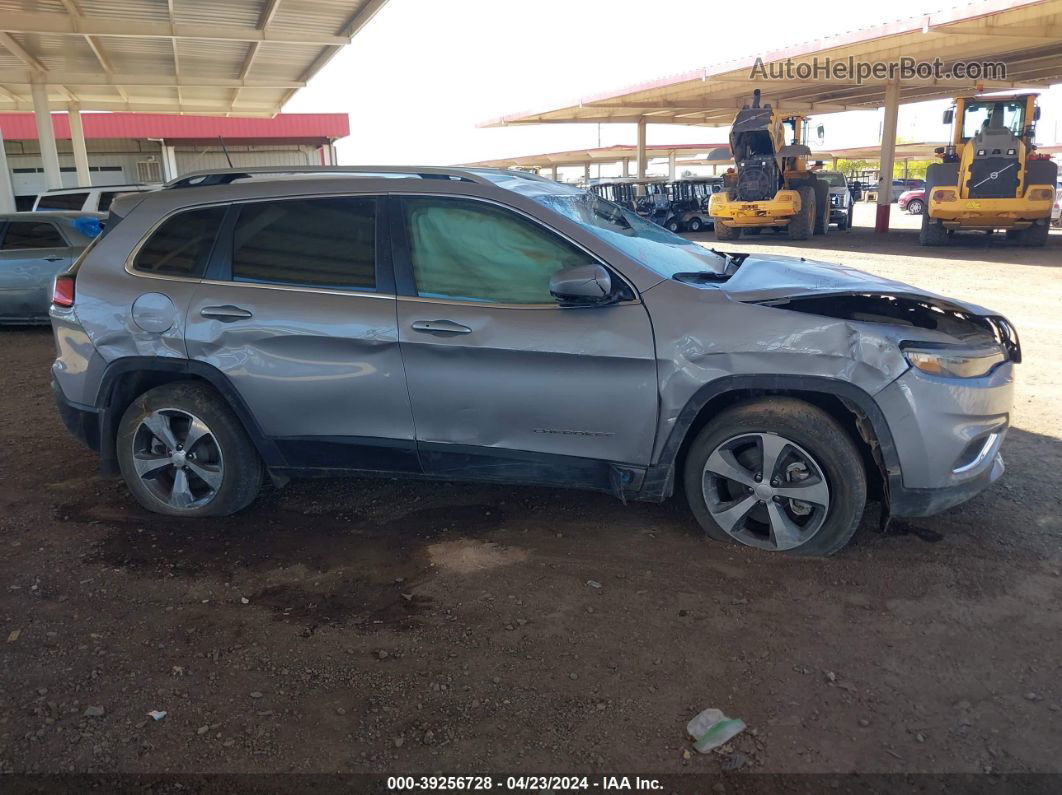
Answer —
724 231
915 206
811 491
802 224
182 452
695 224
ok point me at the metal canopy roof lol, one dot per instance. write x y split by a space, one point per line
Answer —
603 154
1023 34
243 57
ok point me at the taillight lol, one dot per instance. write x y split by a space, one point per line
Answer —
63 290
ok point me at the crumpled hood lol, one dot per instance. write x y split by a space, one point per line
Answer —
765 278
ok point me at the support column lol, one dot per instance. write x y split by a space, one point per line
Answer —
553 173
641 148
888 156
7 193
670 166
77 141
169 162
626 167
586 172
46 135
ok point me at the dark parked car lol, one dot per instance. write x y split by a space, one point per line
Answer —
34 247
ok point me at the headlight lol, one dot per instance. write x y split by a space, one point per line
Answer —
954 362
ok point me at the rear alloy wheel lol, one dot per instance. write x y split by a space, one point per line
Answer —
915 206
695 224
779 475
183 453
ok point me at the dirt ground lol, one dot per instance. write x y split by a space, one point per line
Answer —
402 627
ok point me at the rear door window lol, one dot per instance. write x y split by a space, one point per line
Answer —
327 242
62 201
181 245
31 234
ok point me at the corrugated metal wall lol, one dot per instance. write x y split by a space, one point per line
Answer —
114 161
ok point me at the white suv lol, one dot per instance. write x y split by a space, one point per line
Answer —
89 200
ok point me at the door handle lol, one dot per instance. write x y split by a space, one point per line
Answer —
440 327
52 259
226 313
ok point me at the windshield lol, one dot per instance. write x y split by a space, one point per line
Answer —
645 242
832 178
982 115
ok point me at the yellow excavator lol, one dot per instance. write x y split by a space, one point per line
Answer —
990 176
771 186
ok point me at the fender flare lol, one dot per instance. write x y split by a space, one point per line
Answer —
117 369
660 478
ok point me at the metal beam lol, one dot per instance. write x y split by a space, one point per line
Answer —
123 79
1049 32
62 24
21 53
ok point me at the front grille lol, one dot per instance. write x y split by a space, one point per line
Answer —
993 178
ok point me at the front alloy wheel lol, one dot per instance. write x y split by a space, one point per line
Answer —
177 458
765 491
778 474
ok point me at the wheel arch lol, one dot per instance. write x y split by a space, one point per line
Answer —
125 379
853 408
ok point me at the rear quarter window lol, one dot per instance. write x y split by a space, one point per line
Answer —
62 201
181 245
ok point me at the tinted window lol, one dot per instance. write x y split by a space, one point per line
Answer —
181 246
32 234
477 252
62 201
105 200
308 242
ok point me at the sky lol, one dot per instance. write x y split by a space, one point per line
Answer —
420 77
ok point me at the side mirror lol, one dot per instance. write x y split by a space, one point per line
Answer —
1036 113
949 115
583 285
820 132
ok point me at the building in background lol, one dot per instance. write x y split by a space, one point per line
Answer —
126 148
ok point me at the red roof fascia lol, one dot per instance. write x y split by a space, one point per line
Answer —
22 127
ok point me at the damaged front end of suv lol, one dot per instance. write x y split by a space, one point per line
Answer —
939 370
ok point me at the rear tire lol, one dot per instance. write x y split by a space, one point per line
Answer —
182 452
674 226
933 233
1035 235
822 207
801 224
916 206
695 224
798 428
724 231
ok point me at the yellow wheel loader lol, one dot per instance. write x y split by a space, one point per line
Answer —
990 176
771 187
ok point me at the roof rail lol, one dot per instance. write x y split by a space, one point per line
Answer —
224 176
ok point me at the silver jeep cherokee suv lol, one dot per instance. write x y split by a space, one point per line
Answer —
493 325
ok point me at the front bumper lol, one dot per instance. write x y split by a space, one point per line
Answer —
927 502
947 433
82 421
